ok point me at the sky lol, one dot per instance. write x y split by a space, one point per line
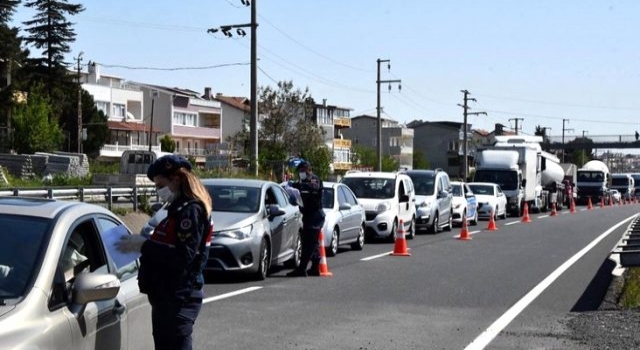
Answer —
540 61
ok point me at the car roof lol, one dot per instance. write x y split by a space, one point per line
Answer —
37 207
374 174
236 182
482 183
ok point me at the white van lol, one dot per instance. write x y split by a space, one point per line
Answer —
624 183
387 198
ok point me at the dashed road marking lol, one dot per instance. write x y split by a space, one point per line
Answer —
470 233
230 294
511 223
543 216
375 256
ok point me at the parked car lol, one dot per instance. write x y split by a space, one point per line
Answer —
387 198
255 226
616 196
490 199
465 204
434 203
63 283
344 218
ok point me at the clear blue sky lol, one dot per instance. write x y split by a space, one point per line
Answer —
541 60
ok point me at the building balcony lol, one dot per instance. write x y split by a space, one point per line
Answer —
341 143
342 122
342 166
196 132
115 151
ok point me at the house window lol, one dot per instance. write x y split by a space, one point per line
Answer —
118 110
103 107
182 118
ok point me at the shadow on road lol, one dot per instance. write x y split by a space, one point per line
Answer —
596 291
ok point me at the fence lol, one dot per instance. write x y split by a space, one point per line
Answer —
96 195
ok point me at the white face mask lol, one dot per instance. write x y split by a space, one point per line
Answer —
303 176
165 194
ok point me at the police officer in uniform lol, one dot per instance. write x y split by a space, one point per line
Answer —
310 187
172 260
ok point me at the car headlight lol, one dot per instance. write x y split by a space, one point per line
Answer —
384 206
239 234
425 205
457 206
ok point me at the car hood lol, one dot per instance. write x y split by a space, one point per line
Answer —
423 199
6 308
458 200
223 221
485 199
372 204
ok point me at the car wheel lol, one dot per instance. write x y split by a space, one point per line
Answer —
412 229
394 230
263 262
474 221
449 226
332 249
495 214
504 214
297 253
435 228
359 244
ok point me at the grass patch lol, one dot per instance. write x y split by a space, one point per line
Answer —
122 211
630 297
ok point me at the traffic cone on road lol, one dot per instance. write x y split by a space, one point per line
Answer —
601 202
589 205
525 216
573 206
611 201
464 232
554 212
492 223
322 266
400 246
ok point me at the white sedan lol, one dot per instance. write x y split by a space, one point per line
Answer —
490 199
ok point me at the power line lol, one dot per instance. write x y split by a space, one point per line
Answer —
174 68
424 97
267 75
560 103
148 25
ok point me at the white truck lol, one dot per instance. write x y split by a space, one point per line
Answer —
133 172
594 181
625 184
525 173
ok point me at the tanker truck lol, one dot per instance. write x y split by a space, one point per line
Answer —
552 180
594 181
517 165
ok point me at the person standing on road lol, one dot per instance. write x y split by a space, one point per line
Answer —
173 258
310 187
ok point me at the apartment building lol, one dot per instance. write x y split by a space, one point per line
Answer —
334 120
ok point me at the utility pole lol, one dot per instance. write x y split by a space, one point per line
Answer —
466 113
379 125
584 132
563 131
79 59
253 123
516 120
154 94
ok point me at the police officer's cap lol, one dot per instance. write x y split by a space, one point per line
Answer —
303 164
167 166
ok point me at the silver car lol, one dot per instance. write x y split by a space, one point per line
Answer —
63 284
344 221
255 226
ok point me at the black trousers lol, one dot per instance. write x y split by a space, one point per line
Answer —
172 321
310 245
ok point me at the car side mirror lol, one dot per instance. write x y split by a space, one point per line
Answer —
90 287
442 194
345 206
404 198
274 211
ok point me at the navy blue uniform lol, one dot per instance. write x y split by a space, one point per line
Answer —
170 274
312 220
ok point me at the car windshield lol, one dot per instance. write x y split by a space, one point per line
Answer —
327 198
508 180
486 190
590 176
456 190
23 240
371 187
423 183
238 199
620 181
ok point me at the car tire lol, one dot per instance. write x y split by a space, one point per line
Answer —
495 214
359 244
449 226
332 249
504 214
435 228
411 233
263 262
474 221
295 260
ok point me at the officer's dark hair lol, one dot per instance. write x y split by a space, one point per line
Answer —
303 164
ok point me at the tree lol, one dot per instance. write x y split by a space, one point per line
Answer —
32 130
167 144
367 157
320 158
579 151
93 120
419 160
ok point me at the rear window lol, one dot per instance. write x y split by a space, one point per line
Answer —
423 183
482 190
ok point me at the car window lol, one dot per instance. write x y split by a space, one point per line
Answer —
482 189
467 190
351 198
370 187
235 198
327 197
456 190
424 184
342 199
401 189
110 230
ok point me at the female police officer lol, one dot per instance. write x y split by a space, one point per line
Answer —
172 260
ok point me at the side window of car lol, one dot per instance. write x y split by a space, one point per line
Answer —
342 198
440 185
280 198
351 198
401 190
111 232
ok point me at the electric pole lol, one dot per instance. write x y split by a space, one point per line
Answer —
253 123
563 131
154 94
466 113
379 125
79 59
516 120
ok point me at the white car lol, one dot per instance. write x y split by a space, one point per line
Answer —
465 203
616 196
491 200
344 219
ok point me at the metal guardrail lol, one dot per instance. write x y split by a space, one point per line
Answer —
85 194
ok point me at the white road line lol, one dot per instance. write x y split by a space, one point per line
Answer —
376 256
229 295
543 216
470 233
501 323
584 209
511 223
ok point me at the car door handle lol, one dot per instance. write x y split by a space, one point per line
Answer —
118 309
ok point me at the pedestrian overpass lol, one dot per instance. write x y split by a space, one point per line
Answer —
590 142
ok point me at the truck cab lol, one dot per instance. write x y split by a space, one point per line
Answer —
624 183
594 181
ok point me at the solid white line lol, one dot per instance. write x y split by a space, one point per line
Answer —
231 294
543 216
583 209
376 256
470 233
501 323
511 223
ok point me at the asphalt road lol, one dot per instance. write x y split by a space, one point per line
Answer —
507 289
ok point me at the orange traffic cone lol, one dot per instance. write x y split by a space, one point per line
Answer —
573 207
554 212
525 216
601 202
611 201
464 232
492 223
322 266
589 205
400 247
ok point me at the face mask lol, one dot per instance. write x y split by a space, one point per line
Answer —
165 194
303 176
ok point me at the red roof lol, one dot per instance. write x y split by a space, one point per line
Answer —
240 103
113 125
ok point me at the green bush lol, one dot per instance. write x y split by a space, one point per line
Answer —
630 297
